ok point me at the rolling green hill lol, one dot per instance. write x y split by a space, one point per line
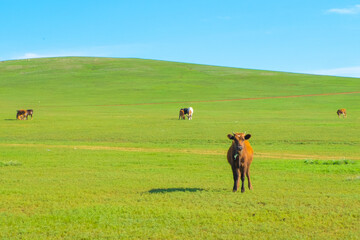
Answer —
100 81
106 157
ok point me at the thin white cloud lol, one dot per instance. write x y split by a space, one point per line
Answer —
36 55
342 72
122 50
59 53
30 55
351 10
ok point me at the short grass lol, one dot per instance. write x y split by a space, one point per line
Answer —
93 164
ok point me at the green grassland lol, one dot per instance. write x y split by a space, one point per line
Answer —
105 156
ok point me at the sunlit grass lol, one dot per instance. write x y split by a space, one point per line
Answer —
89 167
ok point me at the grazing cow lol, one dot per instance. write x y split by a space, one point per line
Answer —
240 156
182 114
24 114
29 112
21 114
187 111
341 111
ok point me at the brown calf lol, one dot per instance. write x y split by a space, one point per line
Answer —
240 156
341 111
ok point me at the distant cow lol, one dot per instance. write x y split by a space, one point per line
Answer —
341 111
182 114
29 112
24 114
240 156
186 111
21 114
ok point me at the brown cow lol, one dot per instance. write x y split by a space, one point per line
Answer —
21 114
29 112
240 156
182 114
341 111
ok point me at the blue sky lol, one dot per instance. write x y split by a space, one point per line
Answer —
307 36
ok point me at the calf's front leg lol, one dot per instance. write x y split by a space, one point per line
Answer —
236 178
242 170
248 177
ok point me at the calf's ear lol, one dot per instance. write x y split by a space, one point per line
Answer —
230 136
247 136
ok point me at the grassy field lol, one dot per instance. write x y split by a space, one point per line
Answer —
106 157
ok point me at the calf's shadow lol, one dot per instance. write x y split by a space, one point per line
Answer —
170 190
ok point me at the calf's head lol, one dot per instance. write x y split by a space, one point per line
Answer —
239 140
